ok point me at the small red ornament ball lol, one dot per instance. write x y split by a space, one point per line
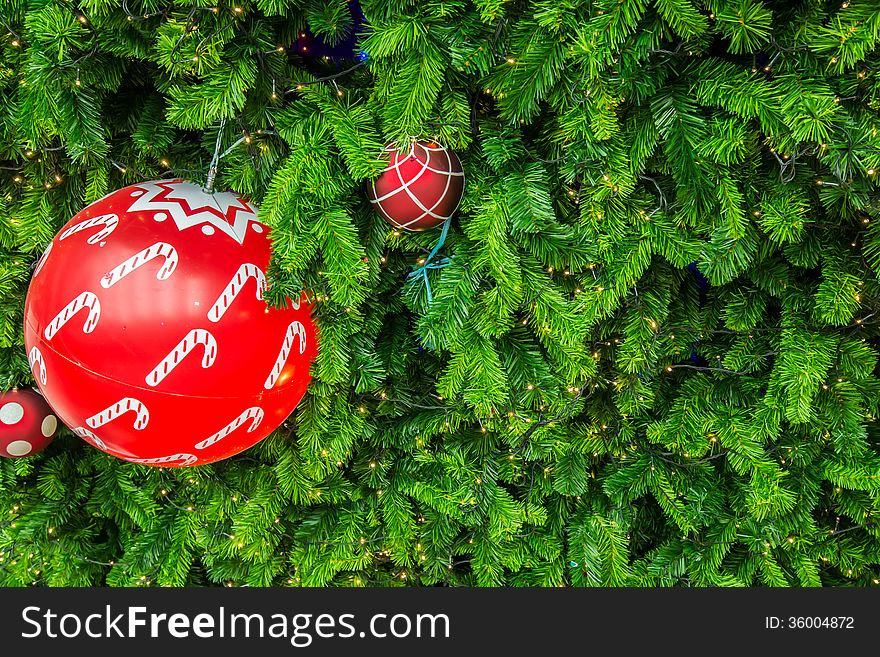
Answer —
419 189
27 424
147 332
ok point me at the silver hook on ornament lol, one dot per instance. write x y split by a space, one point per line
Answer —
212 170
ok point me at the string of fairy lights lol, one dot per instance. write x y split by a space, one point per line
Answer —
236 13
858 324
571 408
9 556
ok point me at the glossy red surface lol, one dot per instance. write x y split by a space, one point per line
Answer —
419 189
27 424
155 343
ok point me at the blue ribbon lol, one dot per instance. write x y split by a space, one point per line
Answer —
429 264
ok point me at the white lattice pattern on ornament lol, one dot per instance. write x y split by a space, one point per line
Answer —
405 184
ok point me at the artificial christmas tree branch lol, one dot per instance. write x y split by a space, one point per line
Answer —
708 166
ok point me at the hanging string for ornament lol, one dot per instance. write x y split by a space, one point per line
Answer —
214 243
421 271
212 169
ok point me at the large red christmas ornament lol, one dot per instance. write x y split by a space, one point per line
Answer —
27 424
420 189
147 331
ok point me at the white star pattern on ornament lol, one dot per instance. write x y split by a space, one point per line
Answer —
188 205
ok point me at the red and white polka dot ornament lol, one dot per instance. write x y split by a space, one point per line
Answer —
148 334
27 424
419 189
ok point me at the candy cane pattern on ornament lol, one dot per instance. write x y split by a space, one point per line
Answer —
254 412
139 259
35 357
43 258
190 341
294 330
83 300
121 407
82 432
244 273
109 221
187 459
